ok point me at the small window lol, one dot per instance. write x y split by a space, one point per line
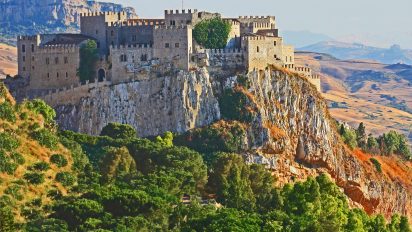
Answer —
143 57
24 58
274 43
24 68
97 32
32 58
47 60
67 75
257 49
32 48
57 75
276 57
23 48
32 67
56 60
112 33
167 45
177 45
123 58
66 60
48 75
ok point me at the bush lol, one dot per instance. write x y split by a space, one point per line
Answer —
119 131
377 164
34 178
8 142
7 112
17 158
59 160
65 178
45 138
40 166
40 107
212 33
233 106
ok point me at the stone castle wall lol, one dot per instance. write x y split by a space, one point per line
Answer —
251 24
262 51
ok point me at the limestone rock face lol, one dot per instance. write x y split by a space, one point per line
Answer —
154 106
294 135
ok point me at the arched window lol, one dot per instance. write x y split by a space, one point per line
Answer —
32 48
23 48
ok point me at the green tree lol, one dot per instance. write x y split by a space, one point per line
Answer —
372 145
40 107
116 163
212 33
361 137
59 160
230 180
7 223
378 224
88 58
119 131
349 137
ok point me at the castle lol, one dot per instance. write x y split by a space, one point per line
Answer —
133 48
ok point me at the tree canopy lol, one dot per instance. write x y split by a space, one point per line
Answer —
212 33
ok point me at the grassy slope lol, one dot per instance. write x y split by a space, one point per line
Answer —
32 152
8 60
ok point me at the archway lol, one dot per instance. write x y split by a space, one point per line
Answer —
101 74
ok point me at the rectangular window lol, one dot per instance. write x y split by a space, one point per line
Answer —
97 32
67 75
23 48
48 75
24 68
32 58
32 48
66 60
56 60
274 43
177 45
32 67
57 75
47 60
24 58
167 45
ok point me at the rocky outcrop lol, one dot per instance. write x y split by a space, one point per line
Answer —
179 103
19 17
294 134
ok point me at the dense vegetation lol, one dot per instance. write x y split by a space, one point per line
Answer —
120 182
391 143
212 33
88 59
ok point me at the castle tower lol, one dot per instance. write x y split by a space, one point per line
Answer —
26 49
95 25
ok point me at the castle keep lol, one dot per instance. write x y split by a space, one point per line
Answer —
133 48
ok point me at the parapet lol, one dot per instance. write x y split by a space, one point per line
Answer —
129 47
177 12
232 21
28 38
94 14
253 37
171 28
223 51
134 23
257 17
58 48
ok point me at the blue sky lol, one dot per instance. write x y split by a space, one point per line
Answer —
375 22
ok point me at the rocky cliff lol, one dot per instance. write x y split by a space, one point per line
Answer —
291 130
47 16
177 103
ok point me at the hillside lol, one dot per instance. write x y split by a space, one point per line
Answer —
364 91
19 17
8 60
197 181
28 147
347 51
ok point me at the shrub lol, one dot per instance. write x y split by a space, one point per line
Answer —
17 158
59 160
7 112
233 106
212 33
34 178
45 138
65 178
118 131
8 142
377 164
40 166
40 107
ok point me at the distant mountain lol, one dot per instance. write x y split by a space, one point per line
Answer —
47 16
355 51
303 38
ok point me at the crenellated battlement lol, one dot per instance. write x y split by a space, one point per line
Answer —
95 14
254 37
130 46
58 48
257 17
180 12
28 38
135 23
224 51
171 28
232 22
